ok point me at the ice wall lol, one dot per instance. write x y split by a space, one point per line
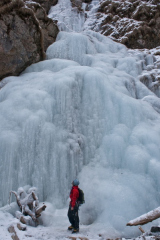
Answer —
82 113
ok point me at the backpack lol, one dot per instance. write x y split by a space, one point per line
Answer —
81 197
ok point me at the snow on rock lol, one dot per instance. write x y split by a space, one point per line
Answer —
46 4
124 21
132 22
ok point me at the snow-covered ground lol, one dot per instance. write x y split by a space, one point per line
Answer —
81 113
57 224
56 229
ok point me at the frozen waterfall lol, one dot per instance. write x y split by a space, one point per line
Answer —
68 18
83 113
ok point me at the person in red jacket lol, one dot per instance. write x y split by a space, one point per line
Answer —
73 207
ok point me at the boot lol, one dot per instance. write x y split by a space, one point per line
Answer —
70 227
75 230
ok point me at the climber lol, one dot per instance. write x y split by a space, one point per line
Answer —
73 207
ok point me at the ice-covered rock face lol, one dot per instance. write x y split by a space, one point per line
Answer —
130 22
81 113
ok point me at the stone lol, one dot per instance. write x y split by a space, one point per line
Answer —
25 34
155 229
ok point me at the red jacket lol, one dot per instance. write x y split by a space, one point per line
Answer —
74 194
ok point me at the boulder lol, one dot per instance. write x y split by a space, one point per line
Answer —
25 34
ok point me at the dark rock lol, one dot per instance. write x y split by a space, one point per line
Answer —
25 33
155 229
87 1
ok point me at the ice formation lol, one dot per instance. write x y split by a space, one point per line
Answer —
83 113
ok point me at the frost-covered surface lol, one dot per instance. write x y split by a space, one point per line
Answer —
150 76
82 113
55 227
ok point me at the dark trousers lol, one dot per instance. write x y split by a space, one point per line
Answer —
73 217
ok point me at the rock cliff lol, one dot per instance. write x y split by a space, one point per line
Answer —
25 34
